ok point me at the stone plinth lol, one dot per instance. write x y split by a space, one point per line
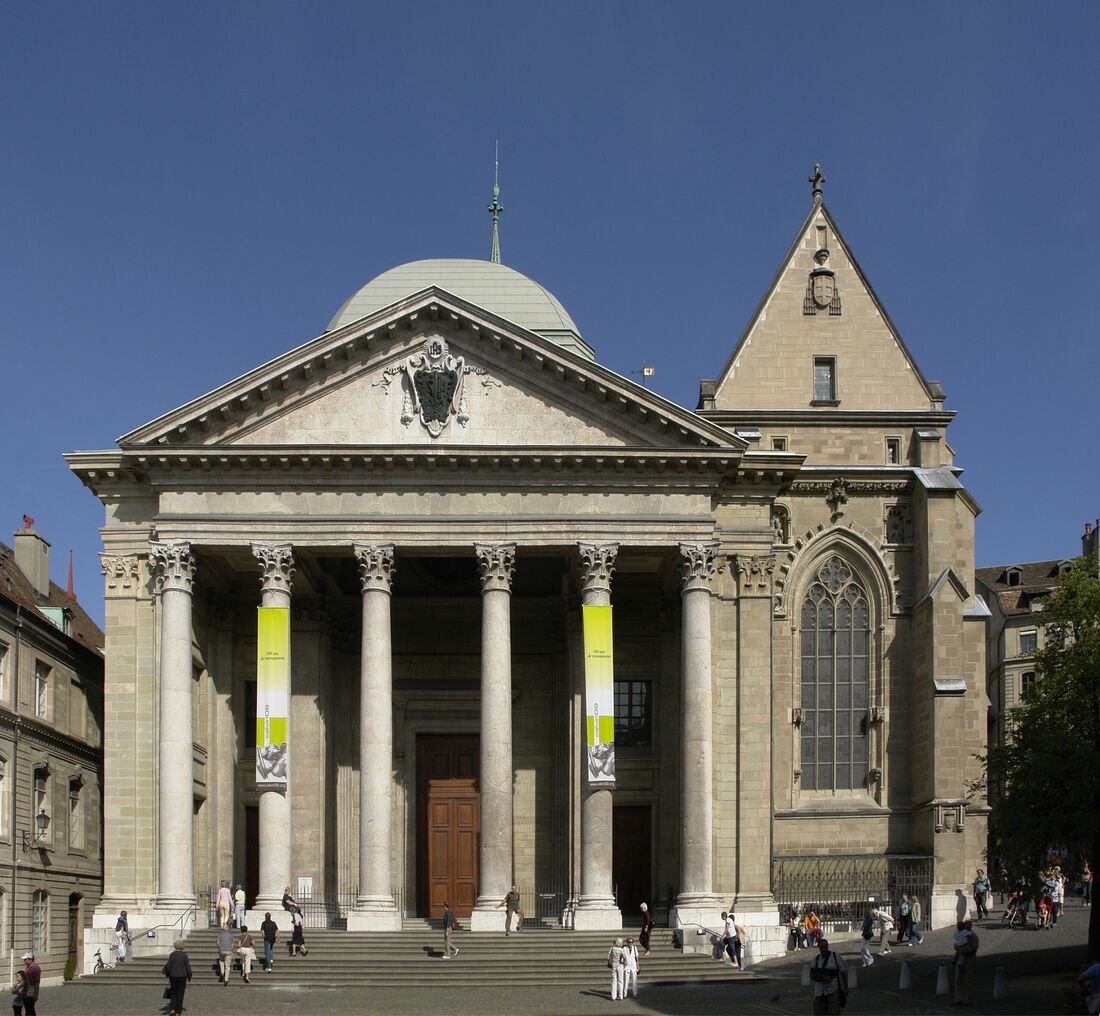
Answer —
597 919
374 920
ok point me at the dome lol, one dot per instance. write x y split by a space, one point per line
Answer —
486 284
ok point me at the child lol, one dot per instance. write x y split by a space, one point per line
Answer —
1044 911
19 993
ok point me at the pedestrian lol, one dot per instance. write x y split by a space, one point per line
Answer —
224 905
34 983
178 971
19 993
289 902
829 976
616 963
1057 895
885 926
647 928
270 931
981 893
794 929
226 946
813 927
238 907
246 949
866 933
298 935
1086 885
122 933
630 968
1089 984
905 910
727 937
966 949
450 924
916 936
511 906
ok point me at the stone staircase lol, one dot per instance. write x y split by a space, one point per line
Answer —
413 957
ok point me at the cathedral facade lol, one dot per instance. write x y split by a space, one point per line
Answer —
432 492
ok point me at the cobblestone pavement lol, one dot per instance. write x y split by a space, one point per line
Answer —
1040 968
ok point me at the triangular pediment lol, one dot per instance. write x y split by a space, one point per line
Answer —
821 306
371 383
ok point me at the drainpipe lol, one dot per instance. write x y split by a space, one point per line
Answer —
12 786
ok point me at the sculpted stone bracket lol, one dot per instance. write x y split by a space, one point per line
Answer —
121 572
433 386
277 567
376 567
496 562
173 565
754 574
950 817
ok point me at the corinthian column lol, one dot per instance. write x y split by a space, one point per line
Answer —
173 571
696 902
495 563
276 563
375 909
596 908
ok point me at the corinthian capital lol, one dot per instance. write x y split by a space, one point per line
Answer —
277 569
754 574
698 565
597 562
120 571
376 570
495 564
172 564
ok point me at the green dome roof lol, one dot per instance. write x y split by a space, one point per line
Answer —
494 287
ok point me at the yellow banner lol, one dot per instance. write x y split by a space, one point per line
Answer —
272 693
599 688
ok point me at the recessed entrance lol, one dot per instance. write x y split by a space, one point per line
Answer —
448 823
632 858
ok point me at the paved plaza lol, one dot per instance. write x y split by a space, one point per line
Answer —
1040 968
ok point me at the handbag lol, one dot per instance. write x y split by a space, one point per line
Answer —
167 992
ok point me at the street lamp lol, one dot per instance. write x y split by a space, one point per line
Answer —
42 823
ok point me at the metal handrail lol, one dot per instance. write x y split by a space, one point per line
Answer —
191 909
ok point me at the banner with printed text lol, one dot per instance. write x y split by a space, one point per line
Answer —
599 692
272 693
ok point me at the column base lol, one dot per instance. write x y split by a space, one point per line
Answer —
597 913
489 918
944 913
374 915
696 910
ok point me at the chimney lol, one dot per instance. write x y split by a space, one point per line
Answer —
32 555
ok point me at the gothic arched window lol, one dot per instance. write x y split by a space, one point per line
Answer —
835 679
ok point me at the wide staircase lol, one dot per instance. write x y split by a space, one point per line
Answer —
413 957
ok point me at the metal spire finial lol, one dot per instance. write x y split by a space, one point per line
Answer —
817 180
495 208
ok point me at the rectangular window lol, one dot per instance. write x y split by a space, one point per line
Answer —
5 800
76 709
779 444
1029 642
76 816
42 804
40 920
634 713
41 690
825 379
893 451
3 672
1026 682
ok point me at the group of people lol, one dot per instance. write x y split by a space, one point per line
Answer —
25 988
804 929
1050 899
623 962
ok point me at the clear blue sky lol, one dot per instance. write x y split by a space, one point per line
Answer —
188 190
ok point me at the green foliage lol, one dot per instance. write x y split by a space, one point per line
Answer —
70 970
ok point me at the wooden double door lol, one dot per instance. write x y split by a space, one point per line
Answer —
448 823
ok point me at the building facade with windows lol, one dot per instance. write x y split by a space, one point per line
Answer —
434 487
51 761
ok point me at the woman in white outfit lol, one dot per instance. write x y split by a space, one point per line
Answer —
617 962
630 968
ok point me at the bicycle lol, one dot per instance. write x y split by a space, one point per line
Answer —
102 964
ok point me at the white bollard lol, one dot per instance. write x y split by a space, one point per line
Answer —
806 975
943 982
853 978
905 979
1000 983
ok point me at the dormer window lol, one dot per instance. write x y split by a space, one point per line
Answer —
1013 576
1064 567
824 381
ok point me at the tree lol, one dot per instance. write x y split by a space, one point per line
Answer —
1045 778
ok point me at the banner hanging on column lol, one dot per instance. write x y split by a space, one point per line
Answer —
272 693
599 694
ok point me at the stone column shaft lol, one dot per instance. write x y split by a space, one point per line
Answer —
496 563
375 909
174 569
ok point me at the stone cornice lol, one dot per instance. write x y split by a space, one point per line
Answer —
829 417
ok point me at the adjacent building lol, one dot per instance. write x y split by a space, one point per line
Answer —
51 761
433 488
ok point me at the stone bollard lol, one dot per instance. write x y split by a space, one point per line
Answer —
1000 983
806 975
905 978
943 982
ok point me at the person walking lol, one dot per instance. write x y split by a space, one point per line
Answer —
905 910
916 936
829 976
19 993
866 933
1086 885
616 962
966 949
224 905
450 924
630 968
178 971
298 935
270 931
34 984
246 949
885 926
225 953
647 928
511 906
981 893
122 933
1057 896
238 907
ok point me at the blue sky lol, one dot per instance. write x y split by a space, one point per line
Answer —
189 190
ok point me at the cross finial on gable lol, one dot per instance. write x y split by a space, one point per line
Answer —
817 180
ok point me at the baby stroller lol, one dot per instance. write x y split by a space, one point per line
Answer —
1016 911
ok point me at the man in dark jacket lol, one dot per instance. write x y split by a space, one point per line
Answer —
34 982
270 932
178 972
